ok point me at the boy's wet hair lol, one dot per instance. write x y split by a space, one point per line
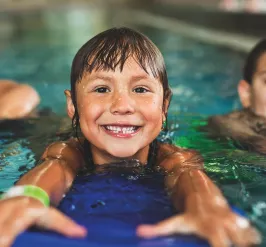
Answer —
110 50
252 60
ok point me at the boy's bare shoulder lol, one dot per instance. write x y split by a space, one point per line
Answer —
170 156
71 149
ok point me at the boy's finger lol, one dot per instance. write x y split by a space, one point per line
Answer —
7 240
12 228
253 236
248 237
50 219
173 225
242 233
219 239
57 221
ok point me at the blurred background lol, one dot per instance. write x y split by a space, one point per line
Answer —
39 38
204 44
243 17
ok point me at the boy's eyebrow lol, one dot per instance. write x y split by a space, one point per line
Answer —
140 77
101 77
109 78
262 72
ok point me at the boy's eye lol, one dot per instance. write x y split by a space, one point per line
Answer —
141 90
102 90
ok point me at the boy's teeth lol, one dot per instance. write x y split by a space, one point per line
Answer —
124 130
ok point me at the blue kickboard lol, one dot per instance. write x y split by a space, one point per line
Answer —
111 206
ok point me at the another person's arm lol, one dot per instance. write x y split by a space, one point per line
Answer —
17 100
205 211
236 129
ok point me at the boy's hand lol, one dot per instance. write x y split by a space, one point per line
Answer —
19 213
212 220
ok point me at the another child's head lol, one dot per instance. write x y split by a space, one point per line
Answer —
119 94
252 88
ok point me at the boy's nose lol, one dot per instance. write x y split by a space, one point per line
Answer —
122 104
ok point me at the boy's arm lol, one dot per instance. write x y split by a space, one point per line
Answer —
61 163
55 175
177 162
205 211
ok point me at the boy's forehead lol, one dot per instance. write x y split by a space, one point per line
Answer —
110 74
132 69
261 65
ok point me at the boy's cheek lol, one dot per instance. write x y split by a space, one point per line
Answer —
154 103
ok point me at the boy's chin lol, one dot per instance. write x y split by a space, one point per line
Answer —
123 153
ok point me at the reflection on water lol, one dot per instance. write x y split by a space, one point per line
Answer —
203 78
239 173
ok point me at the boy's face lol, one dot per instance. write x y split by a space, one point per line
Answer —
254 95
120 112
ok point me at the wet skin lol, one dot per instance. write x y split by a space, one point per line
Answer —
118 110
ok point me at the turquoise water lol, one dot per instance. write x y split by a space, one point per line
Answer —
203 77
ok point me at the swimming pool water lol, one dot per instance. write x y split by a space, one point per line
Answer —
203 78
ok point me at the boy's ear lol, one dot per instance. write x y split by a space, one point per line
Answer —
244 92
70 106
165 110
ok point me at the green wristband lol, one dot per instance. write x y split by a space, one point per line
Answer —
30 191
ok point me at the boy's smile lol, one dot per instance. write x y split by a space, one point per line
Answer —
121 131
120 112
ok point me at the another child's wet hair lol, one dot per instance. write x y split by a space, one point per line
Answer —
109 50
252 60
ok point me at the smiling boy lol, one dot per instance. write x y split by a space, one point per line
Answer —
119 99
